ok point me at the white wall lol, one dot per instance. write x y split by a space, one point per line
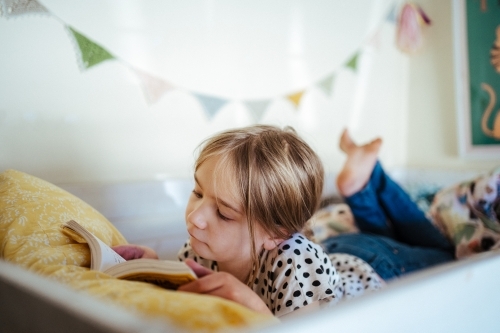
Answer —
67 125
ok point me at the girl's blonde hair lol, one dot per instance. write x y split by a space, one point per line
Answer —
278 177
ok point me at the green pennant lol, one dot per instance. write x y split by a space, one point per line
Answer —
91 53
257 108
326 84
353 62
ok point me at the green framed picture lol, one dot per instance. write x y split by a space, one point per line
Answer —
477 60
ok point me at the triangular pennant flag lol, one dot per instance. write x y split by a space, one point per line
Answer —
326 84
90 53
257 108
296 97
154 88
10 8
353 62
210 104
392 17
374 40
409 34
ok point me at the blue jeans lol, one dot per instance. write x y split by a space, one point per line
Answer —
396 237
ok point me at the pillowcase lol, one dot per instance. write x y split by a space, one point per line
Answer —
31 214
332 220
469 214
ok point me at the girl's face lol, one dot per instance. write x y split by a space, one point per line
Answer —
216 222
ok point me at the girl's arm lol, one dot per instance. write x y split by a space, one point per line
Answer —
223 285
133 251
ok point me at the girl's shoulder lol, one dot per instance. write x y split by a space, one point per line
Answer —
304 255
299 245
296 273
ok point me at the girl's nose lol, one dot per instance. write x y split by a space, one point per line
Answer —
197 217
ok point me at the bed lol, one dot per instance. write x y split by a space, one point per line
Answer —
44 276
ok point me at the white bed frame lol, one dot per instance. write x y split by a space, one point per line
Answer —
462 296
458 297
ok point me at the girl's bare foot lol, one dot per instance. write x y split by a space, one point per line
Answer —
359 164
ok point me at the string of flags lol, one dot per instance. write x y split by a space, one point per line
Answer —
409 32
90 54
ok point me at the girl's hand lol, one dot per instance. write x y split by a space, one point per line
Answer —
132 251
223 285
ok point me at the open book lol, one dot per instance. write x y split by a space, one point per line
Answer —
165 273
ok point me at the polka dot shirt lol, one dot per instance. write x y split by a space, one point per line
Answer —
298 272
356 276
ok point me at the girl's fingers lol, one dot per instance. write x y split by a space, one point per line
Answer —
132 251
149 252
198 269
228 287
129 252
204 285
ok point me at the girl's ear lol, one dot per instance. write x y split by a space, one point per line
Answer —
271 243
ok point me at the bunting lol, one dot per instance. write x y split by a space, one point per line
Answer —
326 84
392 17
374 40
295 98
90 54
353 62
210 104
12 8
257 108
154 88
409 32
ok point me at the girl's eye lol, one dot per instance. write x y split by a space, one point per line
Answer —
222 216
196 194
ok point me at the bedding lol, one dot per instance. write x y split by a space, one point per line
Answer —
31 213
468 213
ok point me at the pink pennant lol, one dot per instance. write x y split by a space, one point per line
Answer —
409 37
154 88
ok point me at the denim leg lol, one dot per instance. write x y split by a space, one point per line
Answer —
368 213
382 207
410 224
389 258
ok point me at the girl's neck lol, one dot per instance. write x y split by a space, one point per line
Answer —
239 270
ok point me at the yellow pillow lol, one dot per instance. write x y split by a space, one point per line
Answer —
31 213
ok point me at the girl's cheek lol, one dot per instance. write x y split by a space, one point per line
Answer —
189 210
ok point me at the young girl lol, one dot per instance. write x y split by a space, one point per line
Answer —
255 188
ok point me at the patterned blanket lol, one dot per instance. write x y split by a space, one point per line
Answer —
468 213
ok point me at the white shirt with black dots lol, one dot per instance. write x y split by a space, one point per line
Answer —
356 276
299 272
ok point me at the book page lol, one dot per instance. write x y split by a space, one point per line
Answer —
102 256
108 256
